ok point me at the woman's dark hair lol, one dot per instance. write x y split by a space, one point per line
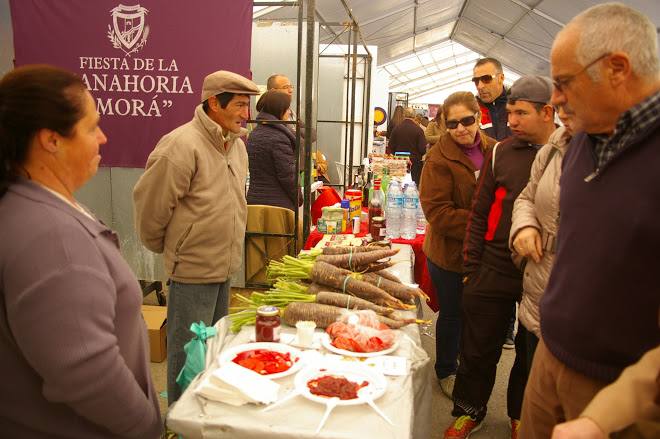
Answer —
397 117
32 98
274 102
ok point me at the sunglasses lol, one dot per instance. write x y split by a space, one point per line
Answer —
486 79
561 83
466 122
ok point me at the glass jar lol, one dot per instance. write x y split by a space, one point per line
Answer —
377 228
267 324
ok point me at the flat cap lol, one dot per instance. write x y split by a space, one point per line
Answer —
223 81
532 89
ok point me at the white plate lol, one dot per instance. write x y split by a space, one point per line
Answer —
325 341
229 355
355 373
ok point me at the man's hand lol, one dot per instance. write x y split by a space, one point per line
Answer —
528 244
580 428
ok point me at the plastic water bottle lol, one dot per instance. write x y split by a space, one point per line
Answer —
410 207
394 212
421 220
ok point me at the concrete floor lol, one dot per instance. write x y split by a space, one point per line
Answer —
496 424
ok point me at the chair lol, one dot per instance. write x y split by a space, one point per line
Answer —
264 240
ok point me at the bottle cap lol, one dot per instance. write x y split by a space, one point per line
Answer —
268 311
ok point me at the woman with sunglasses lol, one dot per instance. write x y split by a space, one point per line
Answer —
449 179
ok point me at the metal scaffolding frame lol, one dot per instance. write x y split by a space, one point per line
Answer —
307 13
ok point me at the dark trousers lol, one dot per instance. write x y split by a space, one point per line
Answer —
449 287
532 343
487 301
416 171
188 304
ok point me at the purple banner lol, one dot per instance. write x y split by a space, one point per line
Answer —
143 61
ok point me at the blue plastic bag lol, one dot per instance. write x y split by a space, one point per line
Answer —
195 351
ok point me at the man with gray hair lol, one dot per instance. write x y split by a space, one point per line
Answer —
599 313
190 205
409 137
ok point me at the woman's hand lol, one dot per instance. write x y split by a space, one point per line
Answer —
580 428
528 244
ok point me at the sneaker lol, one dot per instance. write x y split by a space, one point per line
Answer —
447 385
462 428
515 428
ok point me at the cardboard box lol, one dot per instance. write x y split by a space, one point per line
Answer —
156 320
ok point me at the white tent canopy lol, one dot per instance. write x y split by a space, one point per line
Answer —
428 47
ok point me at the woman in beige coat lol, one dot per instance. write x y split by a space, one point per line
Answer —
534 226
436 128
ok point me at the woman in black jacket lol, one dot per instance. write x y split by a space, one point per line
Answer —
271 150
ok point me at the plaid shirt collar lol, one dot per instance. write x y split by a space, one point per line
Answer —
632 122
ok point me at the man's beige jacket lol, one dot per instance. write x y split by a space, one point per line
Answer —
190 202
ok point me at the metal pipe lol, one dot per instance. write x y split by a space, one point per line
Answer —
352 129
345 122
350 14
366 109
296 213
309 83
348 75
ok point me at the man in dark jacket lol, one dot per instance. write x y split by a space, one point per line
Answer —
493 284
599 312
409 137
489 80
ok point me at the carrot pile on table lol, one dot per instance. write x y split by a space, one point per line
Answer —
321 285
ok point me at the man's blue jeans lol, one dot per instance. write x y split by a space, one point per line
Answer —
449 287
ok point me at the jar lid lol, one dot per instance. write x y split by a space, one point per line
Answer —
268 310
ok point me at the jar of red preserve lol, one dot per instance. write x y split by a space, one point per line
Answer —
267 325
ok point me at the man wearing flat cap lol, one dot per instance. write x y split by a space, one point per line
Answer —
190 205
493 283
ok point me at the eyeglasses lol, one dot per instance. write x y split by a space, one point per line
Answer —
466 122
560 83
486 79
285 87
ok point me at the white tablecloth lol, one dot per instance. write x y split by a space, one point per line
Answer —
407 401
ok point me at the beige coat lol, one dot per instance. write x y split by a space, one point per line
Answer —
434 131
632 398
190 202
538 206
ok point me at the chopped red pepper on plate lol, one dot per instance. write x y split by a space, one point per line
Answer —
264 361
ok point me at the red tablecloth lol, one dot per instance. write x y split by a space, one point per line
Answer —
422 277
